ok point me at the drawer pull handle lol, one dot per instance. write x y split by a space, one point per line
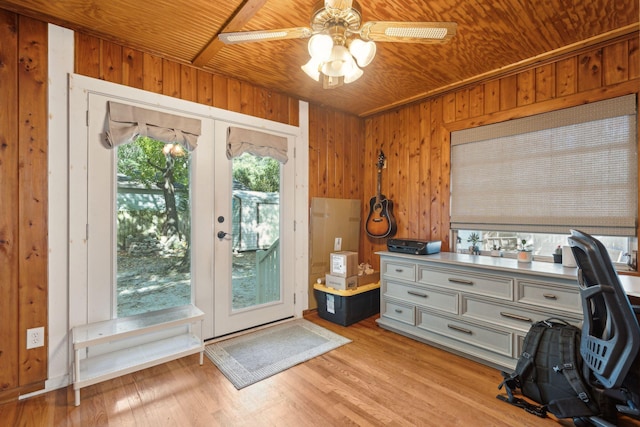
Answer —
515 316
460 329
399 270
417 294
398 310
550 296
461 281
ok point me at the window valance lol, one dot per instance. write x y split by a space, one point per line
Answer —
127 122
262 144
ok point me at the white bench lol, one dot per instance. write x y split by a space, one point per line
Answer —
111 348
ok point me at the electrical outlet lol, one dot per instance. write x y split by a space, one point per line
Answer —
337 244
35 337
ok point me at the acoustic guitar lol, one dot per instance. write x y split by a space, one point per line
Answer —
380 221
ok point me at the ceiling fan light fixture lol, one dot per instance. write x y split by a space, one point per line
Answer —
340 63
320 47
340 44
362 51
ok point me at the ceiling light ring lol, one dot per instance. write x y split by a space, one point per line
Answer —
323 18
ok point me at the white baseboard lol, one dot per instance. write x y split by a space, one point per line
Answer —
49 385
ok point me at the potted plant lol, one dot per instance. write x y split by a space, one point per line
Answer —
496 250
524 253
474 238
557 255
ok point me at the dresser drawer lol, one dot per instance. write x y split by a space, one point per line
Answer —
499 314
483 284
550 296
399 312
497 341
428 297
399 270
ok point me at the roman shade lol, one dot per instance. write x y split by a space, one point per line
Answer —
262 144
572 168
127 122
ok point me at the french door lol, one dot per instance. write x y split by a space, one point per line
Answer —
94 292
253 224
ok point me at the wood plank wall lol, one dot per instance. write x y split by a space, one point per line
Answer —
23 202
336 156
415 138
108 61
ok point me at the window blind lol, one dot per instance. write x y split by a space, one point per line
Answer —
573 168
259 143
127 122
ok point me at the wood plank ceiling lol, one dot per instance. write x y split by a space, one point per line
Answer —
492 36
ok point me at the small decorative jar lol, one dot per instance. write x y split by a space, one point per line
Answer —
525 256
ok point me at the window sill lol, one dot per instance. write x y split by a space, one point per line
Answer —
620 267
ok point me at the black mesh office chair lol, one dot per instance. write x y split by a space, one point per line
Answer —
610 334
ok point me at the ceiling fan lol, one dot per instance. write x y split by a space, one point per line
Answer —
340 44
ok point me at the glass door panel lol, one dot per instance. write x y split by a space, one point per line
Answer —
256 231
153 222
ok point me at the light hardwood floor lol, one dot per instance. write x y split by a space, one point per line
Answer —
379 379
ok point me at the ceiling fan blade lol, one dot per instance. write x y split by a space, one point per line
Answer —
265 35
408 32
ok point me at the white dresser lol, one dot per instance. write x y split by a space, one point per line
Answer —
477 306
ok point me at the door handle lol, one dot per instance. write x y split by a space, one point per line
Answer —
222 234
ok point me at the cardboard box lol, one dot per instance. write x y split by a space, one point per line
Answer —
347 307
343 283
344 264
331 218
365 279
